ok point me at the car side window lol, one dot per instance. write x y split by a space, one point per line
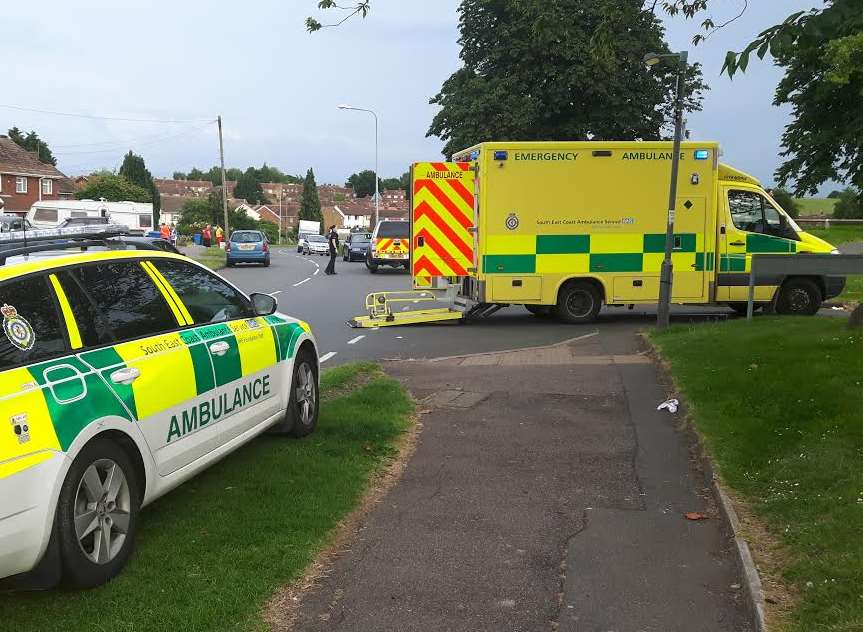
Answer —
92 325
132 306
32 327
206 296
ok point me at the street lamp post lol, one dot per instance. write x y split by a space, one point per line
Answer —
344 106
666 275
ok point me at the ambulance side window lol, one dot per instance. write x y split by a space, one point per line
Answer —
91 324
31 329
127 299
747 211
206 296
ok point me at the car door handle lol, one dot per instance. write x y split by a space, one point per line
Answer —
737 243
125 376
220 348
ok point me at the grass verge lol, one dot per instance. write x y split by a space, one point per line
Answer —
778 403
853 292
815 206
213 552
212 257
838 235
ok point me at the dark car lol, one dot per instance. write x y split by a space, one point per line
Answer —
248 246
356 246
12 223
127 242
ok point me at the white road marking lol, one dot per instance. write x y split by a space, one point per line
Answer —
327 356
355 340
316 271
399 337
277 292
306 280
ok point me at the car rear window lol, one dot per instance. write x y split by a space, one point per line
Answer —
247 238
394 229
316 238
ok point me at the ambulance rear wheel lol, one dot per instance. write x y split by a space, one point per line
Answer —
578 302
799 297
97 515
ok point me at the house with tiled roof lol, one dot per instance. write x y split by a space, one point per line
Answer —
25 180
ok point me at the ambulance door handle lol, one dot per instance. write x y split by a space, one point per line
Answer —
125 376
737 243
219 348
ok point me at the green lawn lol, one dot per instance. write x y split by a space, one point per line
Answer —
778 403
212 257
212 552
853 291
837 235
815 206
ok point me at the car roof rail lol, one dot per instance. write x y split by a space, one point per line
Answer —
25 242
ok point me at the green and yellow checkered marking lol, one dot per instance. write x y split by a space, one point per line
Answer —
597 253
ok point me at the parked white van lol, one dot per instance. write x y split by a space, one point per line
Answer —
137 216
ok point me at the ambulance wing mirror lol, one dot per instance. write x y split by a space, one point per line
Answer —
264 304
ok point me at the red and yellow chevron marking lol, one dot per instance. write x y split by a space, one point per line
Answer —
392 247
442 219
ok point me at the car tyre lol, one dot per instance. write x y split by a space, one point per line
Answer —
301 417
799 297
97 514
578 302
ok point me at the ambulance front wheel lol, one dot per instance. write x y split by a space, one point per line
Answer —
799 297
97 514
301 417
578 302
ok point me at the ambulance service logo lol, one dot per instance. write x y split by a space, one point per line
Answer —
512 221
18 331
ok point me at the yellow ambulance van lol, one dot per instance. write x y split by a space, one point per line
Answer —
566 227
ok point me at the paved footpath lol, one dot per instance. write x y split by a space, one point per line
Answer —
546 493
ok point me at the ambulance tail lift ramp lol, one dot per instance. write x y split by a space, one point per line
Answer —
443 251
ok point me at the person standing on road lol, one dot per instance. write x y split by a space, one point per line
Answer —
333 239
206 236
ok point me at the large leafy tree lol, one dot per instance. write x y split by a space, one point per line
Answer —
31 142
363 183
310 208
135 171
249 188
114 189
557 70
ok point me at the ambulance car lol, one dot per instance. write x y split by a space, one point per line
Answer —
565 227
124 373
390 245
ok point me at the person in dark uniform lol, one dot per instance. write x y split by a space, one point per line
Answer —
333 239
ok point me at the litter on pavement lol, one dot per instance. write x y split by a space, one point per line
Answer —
670 405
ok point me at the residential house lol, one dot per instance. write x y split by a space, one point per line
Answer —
25 180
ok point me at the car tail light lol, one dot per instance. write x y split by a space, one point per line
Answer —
266 247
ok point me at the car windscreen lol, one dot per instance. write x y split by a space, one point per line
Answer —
357 239
246 238
316 238
394 229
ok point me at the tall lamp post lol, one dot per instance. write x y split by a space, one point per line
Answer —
666 275
344 106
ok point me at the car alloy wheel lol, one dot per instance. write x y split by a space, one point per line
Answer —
306 394
102 508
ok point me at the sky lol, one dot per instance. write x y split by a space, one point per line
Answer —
277 87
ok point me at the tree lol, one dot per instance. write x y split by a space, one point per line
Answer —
114 189
544 84
360 8
363 183
784 199
31 142
391 184
848 206
834 195
249 188
136 172
194 214
179 175
310 208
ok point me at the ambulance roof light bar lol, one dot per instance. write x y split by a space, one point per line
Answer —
91 231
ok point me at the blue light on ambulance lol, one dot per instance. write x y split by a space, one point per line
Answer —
702 154
501 155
